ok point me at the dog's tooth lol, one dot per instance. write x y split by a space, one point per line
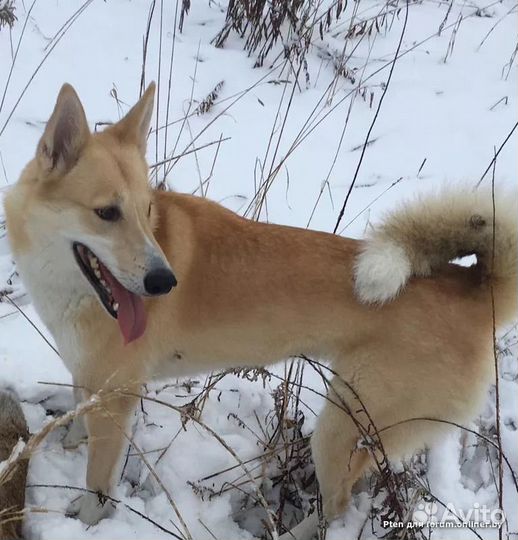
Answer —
115 306
97 274
93 260
103 283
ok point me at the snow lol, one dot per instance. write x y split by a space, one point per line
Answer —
443 116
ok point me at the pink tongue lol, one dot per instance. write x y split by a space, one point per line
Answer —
131 314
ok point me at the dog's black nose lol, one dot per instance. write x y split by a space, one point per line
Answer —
159 281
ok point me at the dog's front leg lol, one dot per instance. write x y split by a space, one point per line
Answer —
77 429
108 427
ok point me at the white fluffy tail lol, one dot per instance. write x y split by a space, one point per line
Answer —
424 235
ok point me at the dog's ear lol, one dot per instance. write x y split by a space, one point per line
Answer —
134 127
65 136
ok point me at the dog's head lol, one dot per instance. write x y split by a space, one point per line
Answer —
98 205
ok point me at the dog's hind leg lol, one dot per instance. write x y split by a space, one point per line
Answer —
107 428
338 461
339 464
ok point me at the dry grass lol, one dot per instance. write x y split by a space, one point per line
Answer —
263 24
206 104
7 13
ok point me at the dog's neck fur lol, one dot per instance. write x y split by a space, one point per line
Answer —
59 296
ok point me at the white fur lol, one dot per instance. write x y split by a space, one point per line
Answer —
89 509
58 291
381 271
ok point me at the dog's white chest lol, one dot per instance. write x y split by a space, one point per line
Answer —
58 304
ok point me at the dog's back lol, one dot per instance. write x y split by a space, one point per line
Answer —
13 427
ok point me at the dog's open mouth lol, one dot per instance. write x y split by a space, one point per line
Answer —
122 304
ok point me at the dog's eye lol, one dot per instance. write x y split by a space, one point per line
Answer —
109 213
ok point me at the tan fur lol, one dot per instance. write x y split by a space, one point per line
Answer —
12 493
254 293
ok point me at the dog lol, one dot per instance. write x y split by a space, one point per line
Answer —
138 284
13 428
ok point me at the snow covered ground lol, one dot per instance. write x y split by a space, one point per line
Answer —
450 103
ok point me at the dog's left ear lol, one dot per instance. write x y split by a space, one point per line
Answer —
134 127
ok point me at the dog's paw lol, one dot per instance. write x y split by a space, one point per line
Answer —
75 435
90 508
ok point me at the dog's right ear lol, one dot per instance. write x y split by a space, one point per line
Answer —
134 127
65 136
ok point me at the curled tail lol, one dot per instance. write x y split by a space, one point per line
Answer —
424 235
13 429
